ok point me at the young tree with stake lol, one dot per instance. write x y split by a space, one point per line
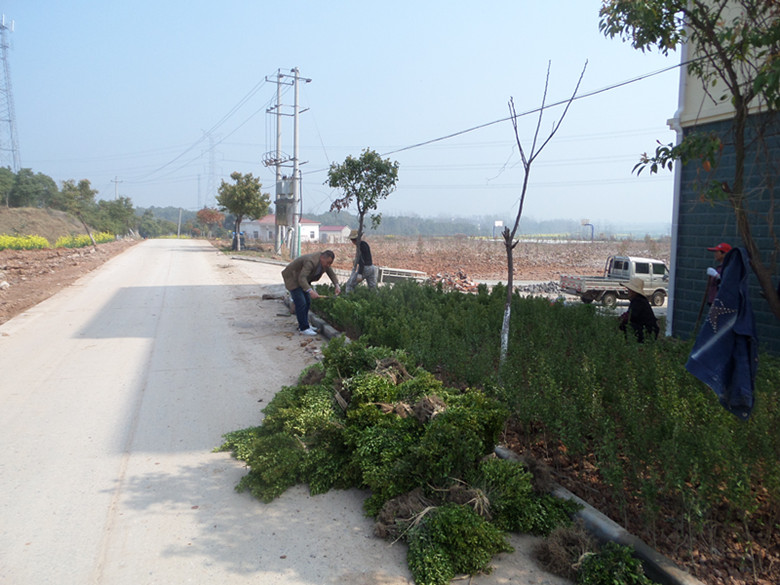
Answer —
509 235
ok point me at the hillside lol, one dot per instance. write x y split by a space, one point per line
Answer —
48 223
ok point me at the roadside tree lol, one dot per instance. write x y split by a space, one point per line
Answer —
365 181
210 217
79 199
116 216
735 53
243 199
32 189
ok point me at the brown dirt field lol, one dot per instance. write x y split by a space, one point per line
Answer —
486 259
35 275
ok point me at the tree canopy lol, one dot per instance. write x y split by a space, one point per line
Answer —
243 199
735 53
365 181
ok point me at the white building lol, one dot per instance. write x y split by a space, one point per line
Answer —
334 234
264 230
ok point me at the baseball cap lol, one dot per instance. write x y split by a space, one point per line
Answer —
722 247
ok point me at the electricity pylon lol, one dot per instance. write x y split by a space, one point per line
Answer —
9 144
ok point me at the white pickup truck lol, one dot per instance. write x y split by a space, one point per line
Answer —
617 272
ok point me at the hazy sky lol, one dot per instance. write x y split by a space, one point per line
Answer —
133 95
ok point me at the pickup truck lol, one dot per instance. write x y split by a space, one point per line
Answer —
618 270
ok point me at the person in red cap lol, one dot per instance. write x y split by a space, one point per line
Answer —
713 282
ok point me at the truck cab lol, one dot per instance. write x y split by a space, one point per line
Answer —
654 275
618 270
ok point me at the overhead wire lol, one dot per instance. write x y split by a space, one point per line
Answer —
535 110
146 179
210 131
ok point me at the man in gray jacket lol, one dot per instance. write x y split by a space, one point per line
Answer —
298 276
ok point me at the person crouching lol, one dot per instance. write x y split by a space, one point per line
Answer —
639 317
298 276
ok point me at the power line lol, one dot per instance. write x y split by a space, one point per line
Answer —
208 133
535 110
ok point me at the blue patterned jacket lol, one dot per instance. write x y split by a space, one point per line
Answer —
725 354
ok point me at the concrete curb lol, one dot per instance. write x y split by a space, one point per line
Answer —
326 330
659 568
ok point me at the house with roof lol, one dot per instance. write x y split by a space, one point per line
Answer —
334 234
264 229
700 222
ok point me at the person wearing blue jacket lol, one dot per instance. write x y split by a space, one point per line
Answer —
725 353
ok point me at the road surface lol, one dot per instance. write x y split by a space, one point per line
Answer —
114 393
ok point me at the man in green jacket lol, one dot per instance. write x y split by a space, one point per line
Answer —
298 276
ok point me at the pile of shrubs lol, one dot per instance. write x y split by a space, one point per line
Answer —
368 418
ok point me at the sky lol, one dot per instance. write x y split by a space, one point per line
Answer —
160 101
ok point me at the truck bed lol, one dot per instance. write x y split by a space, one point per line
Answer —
576 285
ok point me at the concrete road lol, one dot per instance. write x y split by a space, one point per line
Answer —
113 394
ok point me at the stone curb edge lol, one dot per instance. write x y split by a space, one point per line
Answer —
659 568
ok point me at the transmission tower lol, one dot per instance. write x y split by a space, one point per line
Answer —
9 144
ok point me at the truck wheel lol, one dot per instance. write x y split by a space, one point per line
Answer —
609 299
586 300
658 298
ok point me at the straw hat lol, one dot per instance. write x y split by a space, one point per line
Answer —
353 235
636 284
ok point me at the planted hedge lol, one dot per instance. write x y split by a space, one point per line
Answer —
655 431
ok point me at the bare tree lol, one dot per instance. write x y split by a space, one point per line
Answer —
509 236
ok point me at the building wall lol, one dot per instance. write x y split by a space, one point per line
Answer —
703 224
334 237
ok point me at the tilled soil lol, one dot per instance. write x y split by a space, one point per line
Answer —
32 276
487 259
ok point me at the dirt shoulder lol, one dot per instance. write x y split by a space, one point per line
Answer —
28 277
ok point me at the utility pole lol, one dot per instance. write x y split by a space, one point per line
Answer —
287 189
9 146
298 204
211 189
116 183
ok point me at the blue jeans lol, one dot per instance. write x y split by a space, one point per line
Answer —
302 303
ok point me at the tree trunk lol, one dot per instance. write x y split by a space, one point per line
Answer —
510 269
361 220
89 231
738 203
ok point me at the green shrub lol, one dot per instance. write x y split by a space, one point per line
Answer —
394 430
449 540
513 504
240 442
612 565
276 464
